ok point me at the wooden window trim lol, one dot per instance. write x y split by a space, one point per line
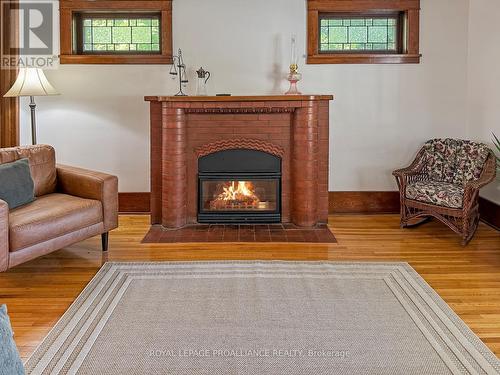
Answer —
9 107
68 9
409 8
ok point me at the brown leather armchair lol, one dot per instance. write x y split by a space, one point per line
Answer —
72 204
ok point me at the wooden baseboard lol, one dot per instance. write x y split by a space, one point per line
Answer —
363 202
490 212
340 202
133 203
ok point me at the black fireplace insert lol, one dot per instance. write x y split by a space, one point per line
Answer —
239 186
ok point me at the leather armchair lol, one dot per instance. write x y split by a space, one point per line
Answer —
72 204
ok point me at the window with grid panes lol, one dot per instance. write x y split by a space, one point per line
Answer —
109 34
360 34
115 32
363 31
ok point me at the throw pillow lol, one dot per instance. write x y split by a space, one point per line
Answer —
16 185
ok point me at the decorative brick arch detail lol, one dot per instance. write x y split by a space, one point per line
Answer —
239 143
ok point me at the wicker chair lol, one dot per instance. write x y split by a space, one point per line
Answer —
443 182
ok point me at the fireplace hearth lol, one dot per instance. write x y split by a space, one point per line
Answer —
239 186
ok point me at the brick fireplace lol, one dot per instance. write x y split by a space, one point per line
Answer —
194 139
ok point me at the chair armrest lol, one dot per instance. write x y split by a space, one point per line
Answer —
471 190
408 171
91 185
4 236
415 168
414 172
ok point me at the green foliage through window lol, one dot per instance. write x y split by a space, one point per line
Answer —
121 34
372 34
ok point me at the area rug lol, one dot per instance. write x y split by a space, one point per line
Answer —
260 318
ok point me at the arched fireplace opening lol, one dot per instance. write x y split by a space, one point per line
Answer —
239 186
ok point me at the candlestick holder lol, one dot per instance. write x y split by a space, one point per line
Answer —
293 77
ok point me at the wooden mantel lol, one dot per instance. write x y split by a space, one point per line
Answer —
247 98
185 127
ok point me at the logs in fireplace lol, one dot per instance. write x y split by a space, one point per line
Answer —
239 160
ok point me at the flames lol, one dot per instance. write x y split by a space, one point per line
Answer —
236 194
241 191
238 191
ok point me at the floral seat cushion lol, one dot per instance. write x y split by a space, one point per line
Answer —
436 192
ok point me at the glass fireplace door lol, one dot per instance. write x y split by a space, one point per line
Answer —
239 195
239 200
239 186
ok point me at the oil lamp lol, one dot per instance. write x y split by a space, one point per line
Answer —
294 76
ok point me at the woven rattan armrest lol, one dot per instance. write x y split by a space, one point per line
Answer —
414 169
487 175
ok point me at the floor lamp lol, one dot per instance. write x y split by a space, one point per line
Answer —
31 82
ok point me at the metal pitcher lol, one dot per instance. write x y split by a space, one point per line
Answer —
201 83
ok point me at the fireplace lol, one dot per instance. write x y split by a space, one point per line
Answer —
239 186
239 159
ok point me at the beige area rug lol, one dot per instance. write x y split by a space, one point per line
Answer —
260 318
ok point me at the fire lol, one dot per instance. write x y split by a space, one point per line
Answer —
237 193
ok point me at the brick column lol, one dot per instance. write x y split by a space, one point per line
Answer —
304 165
174 168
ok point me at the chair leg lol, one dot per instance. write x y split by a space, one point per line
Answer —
403 222
104 241
469 228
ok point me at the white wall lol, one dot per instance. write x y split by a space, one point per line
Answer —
484 78
381 114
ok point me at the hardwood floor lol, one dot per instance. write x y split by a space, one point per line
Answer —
39 292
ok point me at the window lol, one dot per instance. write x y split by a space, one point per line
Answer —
109 33
360 34
373 31
116 32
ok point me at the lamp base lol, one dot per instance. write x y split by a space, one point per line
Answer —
293 78
293 89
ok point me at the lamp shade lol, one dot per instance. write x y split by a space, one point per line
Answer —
31 82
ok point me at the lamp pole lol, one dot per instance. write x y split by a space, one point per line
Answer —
33 119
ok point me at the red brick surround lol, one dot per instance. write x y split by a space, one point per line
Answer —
292 127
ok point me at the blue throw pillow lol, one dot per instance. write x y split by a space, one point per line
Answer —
10 362
16 185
